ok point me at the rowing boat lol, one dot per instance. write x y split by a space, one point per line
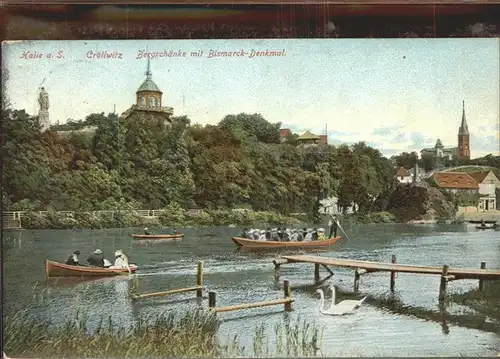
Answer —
55 269
158 236
252 243
487 227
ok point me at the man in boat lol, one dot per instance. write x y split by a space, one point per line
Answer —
293 235
96 259
321 234
262 235
300 235
333 228
256 235
304 232
147 232
244 234
314 234
274 235
268 234
175 232
73 259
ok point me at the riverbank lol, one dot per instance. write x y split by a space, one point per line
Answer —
177 218
192 334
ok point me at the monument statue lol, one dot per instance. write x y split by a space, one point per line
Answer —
43 100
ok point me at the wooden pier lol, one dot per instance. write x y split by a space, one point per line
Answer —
364 267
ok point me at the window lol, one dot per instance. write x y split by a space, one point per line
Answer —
143 101
157 102
151 101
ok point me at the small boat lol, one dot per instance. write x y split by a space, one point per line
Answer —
485 222
55 269
252 243
158 236
487 227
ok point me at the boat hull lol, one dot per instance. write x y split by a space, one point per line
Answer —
251 243
486 227
165 237
54 269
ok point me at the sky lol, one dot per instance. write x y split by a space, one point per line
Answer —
395 94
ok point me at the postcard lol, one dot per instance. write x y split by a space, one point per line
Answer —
171 198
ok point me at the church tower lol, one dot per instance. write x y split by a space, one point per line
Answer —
463 138
149 95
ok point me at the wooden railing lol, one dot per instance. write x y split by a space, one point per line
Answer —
148 213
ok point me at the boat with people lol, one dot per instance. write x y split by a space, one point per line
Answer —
158 236
55 269
252 243
288 237
493 226
175 235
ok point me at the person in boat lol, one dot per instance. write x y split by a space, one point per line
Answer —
300 235
249 234
175 232
73 259
274 235
256 235
147 232
333 228
262 235
96 259
121 260
287 235
321 234
244 233
268 234
308 236
293 235
304 232
314 234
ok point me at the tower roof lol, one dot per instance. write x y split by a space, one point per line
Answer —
148 84
464 129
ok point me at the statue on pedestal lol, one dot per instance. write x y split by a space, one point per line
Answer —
43 100
43 113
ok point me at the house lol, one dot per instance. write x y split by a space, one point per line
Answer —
403 175
455 182
308 139
488 183
284 133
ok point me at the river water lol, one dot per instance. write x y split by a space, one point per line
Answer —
407 323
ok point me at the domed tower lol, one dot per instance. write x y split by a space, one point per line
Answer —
463 137
149 95
149 105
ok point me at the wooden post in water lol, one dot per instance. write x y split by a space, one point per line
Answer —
287 295
199 279
481 282
393 274
356 280
444 280
316 272
211 299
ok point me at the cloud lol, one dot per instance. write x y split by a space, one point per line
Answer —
386 130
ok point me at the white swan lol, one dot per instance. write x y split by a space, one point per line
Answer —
344 307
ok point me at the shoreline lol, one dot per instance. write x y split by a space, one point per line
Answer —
184 219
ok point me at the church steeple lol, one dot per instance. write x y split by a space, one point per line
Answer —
464 129
463 137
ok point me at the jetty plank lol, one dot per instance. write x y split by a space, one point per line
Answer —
458 273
